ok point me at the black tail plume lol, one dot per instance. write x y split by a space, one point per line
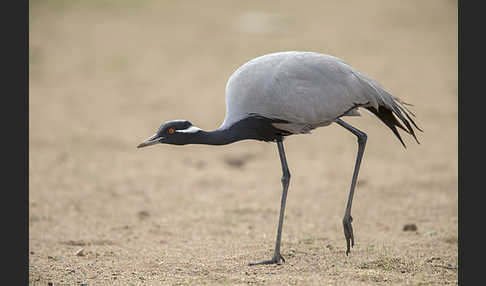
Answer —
389 117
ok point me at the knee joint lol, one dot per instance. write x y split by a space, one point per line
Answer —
362 138
286 177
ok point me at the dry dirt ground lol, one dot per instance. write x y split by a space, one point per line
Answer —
105 74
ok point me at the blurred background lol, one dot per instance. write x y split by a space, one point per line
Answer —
105 74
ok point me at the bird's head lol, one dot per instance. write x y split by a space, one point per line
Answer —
175 132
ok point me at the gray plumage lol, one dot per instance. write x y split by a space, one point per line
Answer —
286 93
306 89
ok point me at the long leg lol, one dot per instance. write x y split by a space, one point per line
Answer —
285 185
347 219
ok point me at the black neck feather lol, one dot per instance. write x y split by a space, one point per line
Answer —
253 127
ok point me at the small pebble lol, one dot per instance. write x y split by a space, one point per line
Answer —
410 227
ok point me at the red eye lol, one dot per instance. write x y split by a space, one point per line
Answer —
171 130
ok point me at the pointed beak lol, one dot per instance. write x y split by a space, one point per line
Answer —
150 141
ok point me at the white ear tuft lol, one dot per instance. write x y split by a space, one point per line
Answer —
192 129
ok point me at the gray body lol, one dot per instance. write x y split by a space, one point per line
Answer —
304 88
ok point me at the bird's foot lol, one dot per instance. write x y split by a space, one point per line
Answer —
348 232
277 259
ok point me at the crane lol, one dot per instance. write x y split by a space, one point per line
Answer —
293 92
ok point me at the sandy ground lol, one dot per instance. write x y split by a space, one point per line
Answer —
105 74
